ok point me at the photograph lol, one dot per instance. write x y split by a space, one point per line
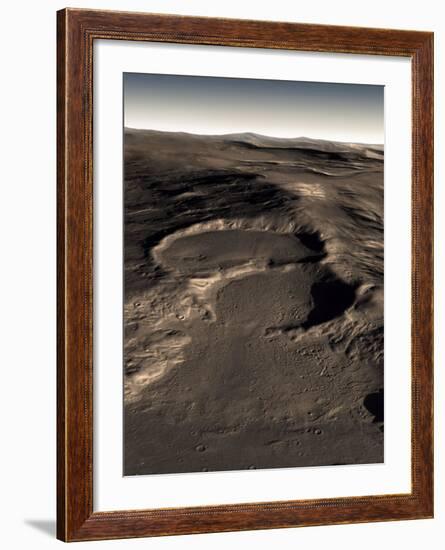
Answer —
253 314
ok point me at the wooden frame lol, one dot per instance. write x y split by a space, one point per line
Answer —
77 30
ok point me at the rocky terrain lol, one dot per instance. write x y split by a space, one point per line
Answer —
253 309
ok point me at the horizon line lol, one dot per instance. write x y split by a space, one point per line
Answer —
369 144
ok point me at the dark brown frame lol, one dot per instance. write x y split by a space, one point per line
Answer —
77 30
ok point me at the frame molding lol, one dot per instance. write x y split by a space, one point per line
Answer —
76 31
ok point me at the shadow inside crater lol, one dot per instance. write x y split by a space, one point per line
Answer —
374 404
331 299
312 241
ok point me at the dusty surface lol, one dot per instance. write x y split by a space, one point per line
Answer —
253 303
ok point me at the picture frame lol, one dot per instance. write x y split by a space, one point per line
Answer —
77 31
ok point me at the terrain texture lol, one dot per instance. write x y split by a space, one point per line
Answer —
253 309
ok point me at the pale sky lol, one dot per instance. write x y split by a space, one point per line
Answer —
210 105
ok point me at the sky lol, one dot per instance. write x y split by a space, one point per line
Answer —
280 108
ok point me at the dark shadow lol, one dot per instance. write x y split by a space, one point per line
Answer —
46 526
331 299
374 404
312 241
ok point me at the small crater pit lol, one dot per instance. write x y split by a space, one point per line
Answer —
373 403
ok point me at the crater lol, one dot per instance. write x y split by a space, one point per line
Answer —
373 402
222 249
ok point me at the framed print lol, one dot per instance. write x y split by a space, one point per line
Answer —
245 229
